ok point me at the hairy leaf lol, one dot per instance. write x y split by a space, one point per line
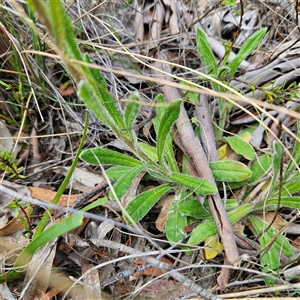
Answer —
229 171
198 185
209 228
176 221
240 146
125 181
167 121
94 156
139 206
251 43
260 167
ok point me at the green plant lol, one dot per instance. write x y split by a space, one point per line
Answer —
43 236
9 165
158 161
223 72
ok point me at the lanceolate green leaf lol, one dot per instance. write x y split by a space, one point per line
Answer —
260 167
251 43
206 53
291 185
201 186
125 181
56 230
115 173
281 244
90 97
287 201
150 151
139 206
195 209
131 109
62 30
94 156
276 163
292 166
229 171
209 228
176 221
268 258
240 146
104 99
170 156
167 121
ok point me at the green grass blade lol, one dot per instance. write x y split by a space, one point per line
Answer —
56 230
45 218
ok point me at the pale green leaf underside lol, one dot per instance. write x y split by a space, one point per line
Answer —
95 156
139 206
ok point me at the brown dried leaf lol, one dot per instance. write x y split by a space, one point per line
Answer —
165 204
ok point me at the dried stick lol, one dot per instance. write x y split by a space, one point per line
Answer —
196 153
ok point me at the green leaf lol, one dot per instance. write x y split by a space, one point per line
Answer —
240 146
115 173
56 230
104 99
272 203
291 186
192 96
170 156
45 219
276 163
229 171
260 167
159 108
247 48
150 151
281 244
201 186
176 221
94 156
209 228
195 209
206 53
296 155
132 109
123 184
268 259
167 121
94 204
139 206
62 29
90 97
